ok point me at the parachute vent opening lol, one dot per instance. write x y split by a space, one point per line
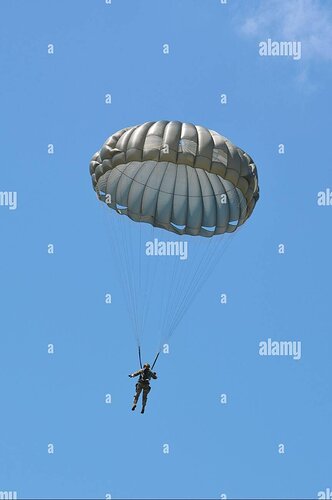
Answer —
178 226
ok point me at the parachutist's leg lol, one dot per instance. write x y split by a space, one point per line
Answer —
146 391
137 395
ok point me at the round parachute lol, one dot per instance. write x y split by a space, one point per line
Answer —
180 177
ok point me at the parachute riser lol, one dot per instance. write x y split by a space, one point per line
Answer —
139 356
155 360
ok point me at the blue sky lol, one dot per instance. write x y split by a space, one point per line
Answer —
215 449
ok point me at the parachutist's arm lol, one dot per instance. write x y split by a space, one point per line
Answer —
154 375
135 373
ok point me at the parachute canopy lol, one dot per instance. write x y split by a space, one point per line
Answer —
181 177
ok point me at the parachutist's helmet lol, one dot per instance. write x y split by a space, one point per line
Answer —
146 365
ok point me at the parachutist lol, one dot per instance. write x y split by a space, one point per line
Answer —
143 384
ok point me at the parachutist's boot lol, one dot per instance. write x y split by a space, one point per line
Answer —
143 408
134 406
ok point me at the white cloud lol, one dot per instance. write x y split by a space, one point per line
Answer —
307 21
